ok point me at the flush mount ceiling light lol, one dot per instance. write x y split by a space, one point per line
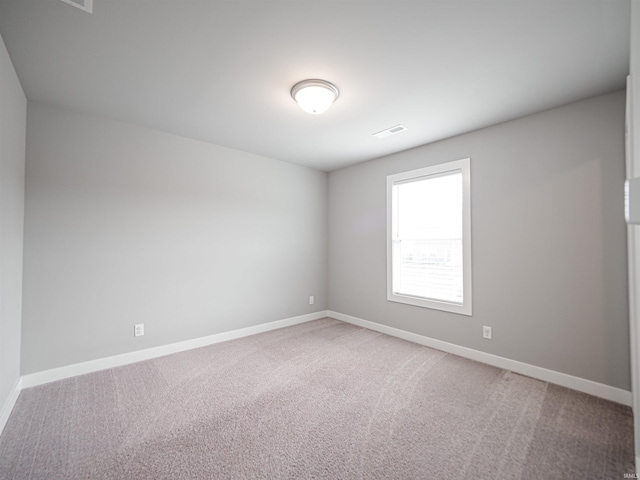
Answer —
314 96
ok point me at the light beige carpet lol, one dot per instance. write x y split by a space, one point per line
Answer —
321 400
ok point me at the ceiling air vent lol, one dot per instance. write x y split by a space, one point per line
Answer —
86 5
390 131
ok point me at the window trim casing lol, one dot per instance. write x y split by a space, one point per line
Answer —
464 166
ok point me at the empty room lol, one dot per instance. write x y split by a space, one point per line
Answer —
329 239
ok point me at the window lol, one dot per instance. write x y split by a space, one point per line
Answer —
429 237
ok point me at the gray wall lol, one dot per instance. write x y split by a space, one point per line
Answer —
549 241
127 225
13 111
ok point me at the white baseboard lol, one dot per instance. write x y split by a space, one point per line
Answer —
9 404
607 392
68 371
576 383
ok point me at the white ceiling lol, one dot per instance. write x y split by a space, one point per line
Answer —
221 71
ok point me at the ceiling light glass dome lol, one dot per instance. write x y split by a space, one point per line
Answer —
314 96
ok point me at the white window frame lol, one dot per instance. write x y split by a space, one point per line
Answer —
463 166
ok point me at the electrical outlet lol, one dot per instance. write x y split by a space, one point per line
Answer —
138 330
486 332
312 300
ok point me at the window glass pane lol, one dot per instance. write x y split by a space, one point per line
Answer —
427 238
